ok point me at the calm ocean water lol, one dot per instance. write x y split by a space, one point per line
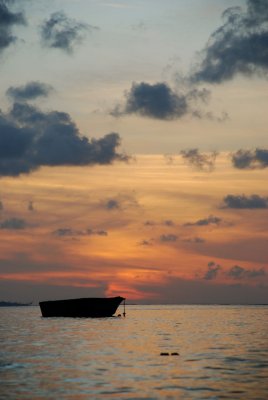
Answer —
223 354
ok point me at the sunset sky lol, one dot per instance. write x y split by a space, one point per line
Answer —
134 150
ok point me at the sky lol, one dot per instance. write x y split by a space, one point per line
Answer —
133 150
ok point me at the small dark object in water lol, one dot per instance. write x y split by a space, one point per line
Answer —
164 354
175 354
81 308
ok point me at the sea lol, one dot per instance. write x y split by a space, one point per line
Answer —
155 352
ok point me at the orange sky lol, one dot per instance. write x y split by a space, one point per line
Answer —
131 229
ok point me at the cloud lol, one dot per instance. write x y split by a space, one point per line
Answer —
195 239
160 101
112 204
63 33
241 201
237 272
13 224
239 46
146 242
1 205
212 272
167 222
170 237
8 20
69 232
201 161
30 91
154 101
211 220
250 159
120 202
30 138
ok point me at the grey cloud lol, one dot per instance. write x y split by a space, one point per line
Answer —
8 20
167 222
211 220
242 202
250 159
30 138
62 32
212 272
195 239
170 237
237 272
239 46
154 101
112 204
30 91
146 242
201 161
120 202
69 232
160 101
13 224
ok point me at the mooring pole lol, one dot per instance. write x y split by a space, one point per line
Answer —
124 313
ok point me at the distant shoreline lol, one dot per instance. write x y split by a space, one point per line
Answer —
13 304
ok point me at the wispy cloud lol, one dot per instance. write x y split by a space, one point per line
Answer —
200 161
13 224
70 232
239 46
64 33
212 271
237 272
30 91
8 20
211 220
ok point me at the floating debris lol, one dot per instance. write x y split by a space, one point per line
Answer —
167 354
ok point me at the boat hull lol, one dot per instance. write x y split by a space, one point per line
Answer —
81 308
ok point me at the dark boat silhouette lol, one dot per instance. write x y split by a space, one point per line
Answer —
91 307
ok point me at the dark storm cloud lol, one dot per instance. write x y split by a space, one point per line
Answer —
250 159
30 138
63 33
212 272
237 272
30 91
211 220
69 232
242 202
13 224
8 20
201 161
239 46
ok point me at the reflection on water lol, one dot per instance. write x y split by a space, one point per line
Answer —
223 354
